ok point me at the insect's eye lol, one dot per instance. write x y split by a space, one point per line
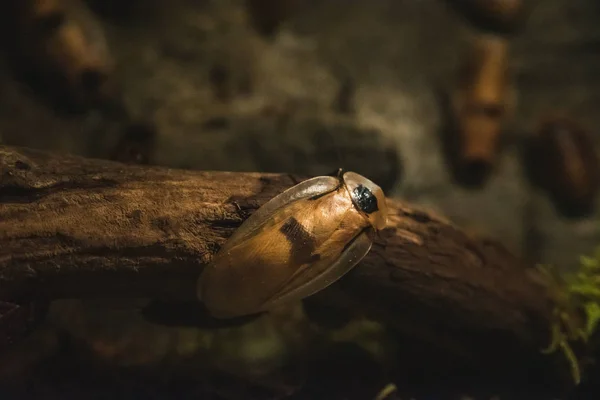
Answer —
365 200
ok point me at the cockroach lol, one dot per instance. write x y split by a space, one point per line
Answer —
562 159
65 40
481 104
295 245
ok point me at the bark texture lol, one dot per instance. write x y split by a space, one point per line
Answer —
76 227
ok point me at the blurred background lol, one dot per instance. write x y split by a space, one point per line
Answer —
484 111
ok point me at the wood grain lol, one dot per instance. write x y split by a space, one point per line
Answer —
75 227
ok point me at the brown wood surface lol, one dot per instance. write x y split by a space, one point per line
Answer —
75 227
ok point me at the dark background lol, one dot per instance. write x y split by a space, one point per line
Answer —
274 108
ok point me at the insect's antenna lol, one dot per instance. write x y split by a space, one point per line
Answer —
339 156
339 172
342 108
338 152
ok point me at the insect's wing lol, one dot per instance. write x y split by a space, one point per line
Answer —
351 256
309 188
240 261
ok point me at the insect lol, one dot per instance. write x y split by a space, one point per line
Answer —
482 102
69 42
562 160
295 245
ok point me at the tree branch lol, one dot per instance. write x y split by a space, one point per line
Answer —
74 227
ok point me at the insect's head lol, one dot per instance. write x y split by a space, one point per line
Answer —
368 198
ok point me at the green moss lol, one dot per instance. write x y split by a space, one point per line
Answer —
577 308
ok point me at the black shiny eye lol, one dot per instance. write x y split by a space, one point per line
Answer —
364 199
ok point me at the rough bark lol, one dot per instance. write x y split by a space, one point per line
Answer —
75 227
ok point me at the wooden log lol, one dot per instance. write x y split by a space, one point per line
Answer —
75 227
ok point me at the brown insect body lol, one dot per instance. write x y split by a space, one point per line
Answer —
481 104
565 163
66 39
298 243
